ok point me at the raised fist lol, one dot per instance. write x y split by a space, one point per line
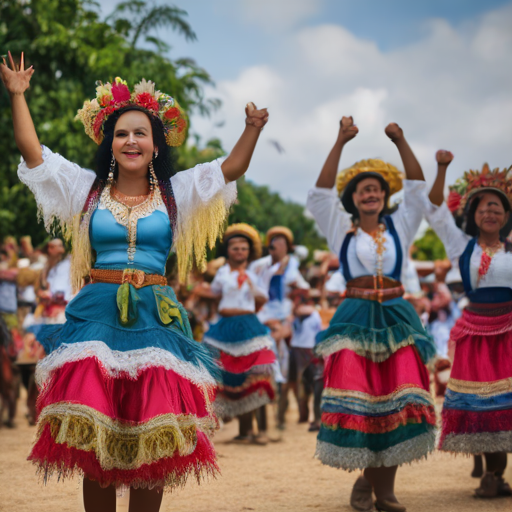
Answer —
347 129
394 132
17 78
255 117
444 157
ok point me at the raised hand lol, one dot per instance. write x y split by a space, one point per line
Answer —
348 130
255 117
394 132
16 78
444 157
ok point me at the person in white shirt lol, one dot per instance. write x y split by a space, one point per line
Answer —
306 325
279 274
241 343
375 348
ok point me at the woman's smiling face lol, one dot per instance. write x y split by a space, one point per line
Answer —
132 144
490 215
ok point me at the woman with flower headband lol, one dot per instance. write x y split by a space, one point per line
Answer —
377 410
477 411
242 344
125 390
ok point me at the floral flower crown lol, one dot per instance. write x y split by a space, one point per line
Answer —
473 182
113 96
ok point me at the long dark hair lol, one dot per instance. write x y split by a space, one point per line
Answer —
470 226
163 165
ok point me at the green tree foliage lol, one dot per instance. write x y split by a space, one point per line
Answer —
71 47
429 247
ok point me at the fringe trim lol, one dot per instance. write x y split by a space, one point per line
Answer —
483 442
352 459
133 362
405 389
195 232
376 352
225 408
242 348
491 388
121 445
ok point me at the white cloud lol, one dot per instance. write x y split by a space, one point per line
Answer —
449 90
277 14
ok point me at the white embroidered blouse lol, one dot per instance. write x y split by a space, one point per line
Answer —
334 222
455 242
61 187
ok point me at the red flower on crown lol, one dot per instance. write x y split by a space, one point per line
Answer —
120 92
147 100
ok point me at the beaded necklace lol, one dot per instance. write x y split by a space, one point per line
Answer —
488 253
379 241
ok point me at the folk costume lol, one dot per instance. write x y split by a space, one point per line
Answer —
376 407
125 390
240 342
477 411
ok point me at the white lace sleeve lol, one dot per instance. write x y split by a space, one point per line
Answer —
334 222
199 186
60 187
443 223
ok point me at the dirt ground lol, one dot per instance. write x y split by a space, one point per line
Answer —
282 476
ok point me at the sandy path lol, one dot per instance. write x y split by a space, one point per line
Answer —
281 476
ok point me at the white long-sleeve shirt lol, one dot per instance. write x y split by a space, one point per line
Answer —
335 223
225 282
455 242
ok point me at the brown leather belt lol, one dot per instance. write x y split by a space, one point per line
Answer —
374 288
137 278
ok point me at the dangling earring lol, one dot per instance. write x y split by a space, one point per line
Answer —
112 169
152 178
156 153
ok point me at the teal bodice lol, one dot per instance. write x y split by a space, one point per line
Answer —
109 240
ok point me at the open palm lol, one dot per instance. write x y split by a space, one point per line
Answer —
16 79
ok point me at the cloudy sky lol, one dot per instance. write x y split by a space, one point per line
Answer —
442 70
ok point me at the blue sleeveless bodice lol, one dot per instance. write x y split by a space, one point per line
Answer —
487 295
109 240
397 271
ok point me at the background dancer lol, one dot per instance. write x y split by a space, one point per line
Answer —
377 411
477 412
243 344
144 417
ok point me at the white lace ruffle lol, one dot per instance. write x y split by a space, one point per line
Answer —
133 362
352 459
481 442
243 348
225 408
60 187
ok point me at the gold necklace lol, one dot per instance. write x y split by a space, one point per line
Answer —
379 240
488 253
128 216
128 200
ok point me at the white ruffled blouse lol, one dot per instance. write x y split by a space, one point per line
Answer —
334 222
455 242
61 187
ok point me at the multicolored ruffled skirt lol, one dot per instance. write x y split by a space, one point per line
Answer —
243 348
377 409
125 404
477 412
